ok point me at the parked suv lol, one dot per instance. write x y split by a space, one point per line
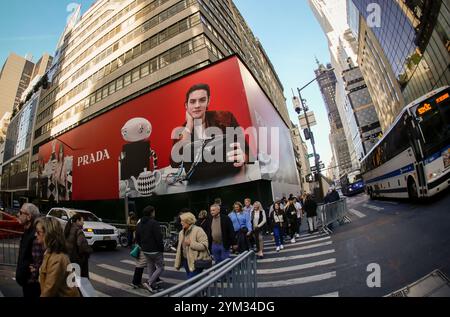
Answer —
97 232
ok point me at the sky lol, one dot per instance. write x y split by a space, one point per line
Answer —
287 30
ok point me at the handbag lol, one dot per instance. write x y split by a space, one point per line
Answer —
136 251
203 263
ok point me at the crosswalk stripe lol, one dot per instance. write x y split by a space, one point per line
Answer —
269 243
300 243
114 284
297 281
100 294
357 213
334 294
131 273
167 267
317 245
297 267
373 207
296 257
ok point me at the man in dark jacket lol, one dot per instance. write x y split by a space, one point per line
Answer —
310 207
29 252
220 232
150 240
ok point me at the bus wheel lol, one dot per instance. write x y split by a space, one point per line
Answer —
412 190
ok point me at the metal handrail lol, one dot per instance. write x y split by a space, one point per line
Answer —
192 280
205 283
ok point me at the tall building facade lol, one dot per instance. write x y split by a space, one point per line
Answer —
353 100
327 83
121 49
15 76
403 53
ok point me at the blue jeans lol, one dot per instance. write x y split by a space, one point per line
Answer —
278 233
219 253
188 272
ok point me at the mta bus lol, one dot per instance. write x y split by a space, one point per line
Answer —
352 183
412 159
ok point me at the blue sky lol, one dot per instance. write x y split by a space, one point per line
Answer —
287 29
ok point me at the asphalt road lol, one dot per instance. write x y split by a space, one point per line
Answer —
407 241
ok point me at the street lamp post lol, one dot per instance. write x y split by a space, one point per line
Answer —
298 109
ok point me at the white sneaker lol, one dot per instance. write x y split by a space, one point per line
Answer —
297 235
278 249
293 240
281 247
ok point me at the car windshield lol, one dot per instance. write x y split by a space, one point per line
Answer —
87 216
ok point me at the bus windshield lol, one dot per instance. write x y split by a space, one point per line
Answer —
434 122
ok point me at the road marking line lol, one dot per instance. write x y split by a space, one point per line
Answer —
290 245
302 248
334 294
357 213
296 257
166 266
131 273
271 242
297 267
389 202
373 207
297 281
115 284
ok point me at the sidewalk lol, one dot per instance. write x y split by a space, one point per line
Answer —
8 286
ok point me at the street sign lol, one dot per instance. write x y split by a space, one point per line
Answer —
311 119
310 155
313 169
321 166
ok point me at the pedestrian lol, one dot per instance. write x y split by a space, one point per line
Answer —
310 207
192 246
131 226
150 240
291 217
258 221
202 219
298 208
248 205
53 274
278 221
77 246
223 209
220 232
31 252
242 225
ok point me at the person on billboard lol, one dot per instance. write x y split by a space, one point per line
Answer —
195 136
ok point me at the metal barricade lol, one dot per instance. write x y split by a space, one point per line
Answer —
237 278
177 288
9 247
332 212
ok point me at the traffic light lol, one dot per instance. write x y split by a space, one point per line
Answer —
307 134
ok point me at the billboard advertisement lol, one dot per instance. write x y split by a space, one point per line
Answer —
192 134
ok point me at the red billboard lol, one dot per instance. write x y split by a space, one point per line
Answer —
192 134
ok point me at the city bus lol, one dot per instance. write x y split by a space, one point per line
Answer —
412 159
352 183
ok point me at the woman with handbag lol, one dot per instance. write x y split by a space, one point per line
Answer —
258 222
192 251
